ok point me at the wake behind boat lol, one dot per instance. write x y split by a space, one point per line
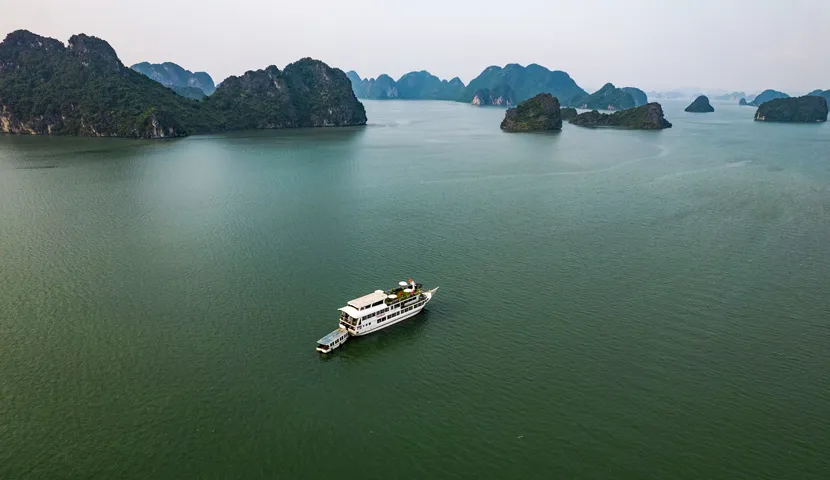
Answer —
376 311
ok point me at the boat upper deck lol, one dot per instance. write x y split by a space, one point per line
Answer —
375 298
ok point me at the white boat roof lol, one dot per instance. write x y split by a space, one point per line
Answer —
367 300
350 311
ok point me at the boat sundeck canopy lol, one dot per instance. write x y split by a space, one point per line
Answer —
367 300
350 311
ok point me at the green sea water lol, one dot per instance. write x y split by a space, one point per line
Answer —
613 304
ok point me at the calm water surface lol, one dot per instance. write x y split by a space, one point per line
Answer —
613 304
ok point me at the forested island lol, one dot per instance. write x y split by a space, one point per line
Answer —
806 109
646 117
83 89
541 112
700 105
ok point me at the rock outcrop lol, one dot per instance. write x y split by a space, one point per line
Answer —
83 89
806 109
568 113
700 105
534 114
515 83
608 97
180 80
308 93
646 117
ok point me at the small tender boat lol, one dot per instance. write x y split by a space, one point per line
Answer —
332 340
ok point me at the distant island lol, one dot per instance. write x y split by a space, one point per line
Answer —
534 114
700 105
731 96
820 93
646 117
83 89
412 86
806 109
762 97
640 97
608 97
515 83
184 82
497 86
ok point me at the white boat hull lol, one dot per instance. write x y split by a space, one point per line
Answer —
403 316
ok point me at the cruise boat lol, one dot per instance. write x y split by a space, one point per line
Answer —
376 311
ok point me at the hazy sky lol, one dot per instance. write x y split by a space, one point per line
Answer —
652 44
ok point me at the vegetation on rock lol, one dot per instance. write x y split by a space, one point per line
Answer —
515 83
646 117
538 113
190 92
84 89
806 109
608 97
308 93
700 105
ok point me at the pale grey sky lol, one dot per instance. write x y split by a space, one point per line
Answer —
652 44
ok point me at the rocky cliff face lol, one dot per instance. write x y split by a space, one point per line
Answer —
308 93
538 113
646 117
499 96
84 89
806 109
79 89
177 78
700 105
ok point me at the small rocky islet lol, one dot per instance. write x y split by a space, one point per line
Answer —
543 112
700 105
806 109
646 117
539 113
